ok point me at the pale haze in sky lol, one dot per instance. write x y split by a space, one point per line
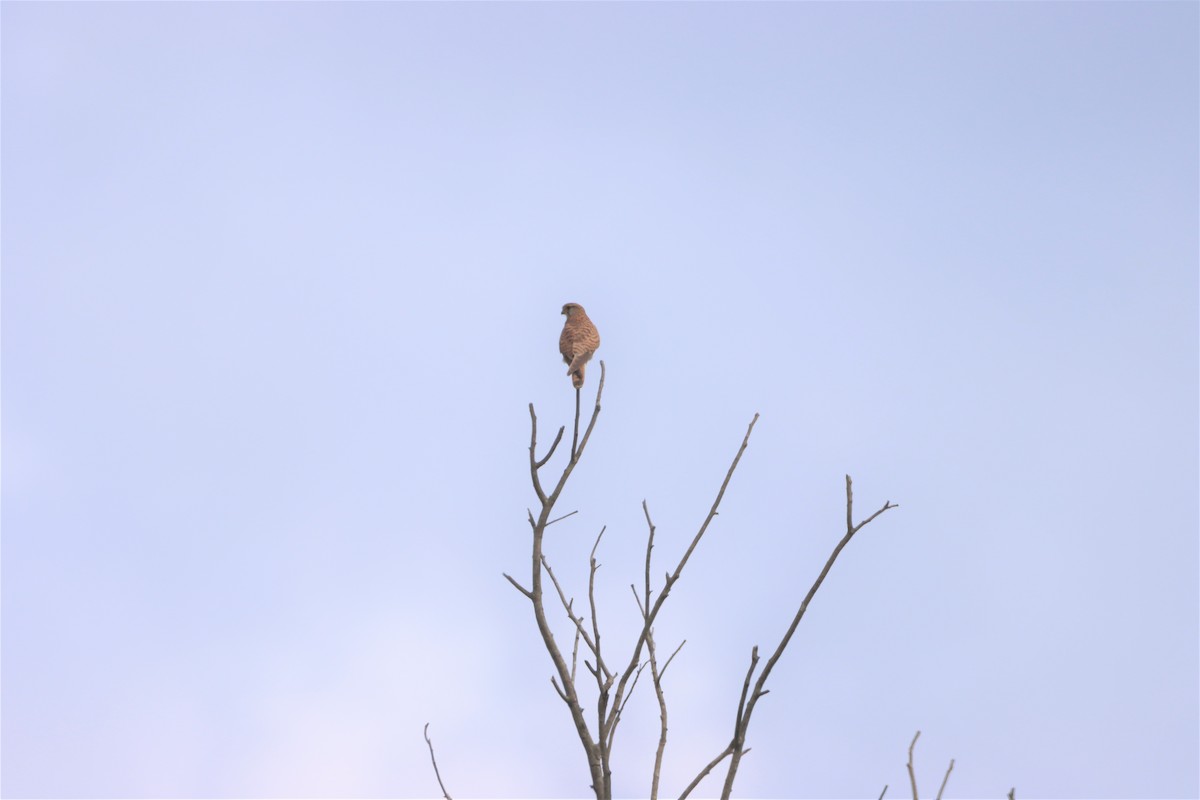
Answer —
280 281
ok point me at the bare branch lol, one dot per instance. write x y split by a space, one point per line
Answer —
533 462
744 720
618 709
739 728
592 567
707 769
560 519
602 684
671 658
433 758
637 599
1012 793
949 769
656 676
881 794
558 438
849 504
912 776
575 439
652 612
518 586
587 434
649 548
575 654
569 607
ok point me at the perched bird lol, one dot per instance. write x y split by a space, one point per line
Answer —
579 340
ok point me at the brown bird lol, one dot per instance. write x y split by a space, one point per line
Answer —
579 340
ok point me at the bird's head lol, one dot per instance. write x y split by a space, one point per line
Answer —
571 308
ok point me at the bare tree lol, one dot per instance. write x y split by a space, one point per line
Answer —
615 680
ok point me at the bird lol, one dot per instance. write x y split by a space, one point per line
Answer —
579 340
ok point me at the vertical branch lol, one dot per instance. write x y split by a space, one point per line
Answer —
603 676
592 567
912 776
574 655
655 675
649 549
575 439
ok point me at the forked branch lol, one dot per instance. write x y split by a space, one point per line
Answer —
747 703
912 773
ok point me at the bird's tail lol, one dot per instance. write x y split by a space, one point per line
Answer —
576 369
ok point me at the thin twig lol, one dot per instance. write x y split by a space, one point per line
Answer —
637 599
518 586
569 607
1012 793
593 566
560 519
649 550
618 709
432 758
881 794
550 452
949 769
912 776
663 671
534 464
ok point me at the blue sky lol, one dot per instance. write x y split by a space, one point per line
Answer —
280 279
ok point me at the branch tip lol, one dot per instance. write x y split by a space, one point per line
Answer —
433 759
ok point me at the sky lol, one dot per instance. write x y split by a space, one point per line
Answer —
280 281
